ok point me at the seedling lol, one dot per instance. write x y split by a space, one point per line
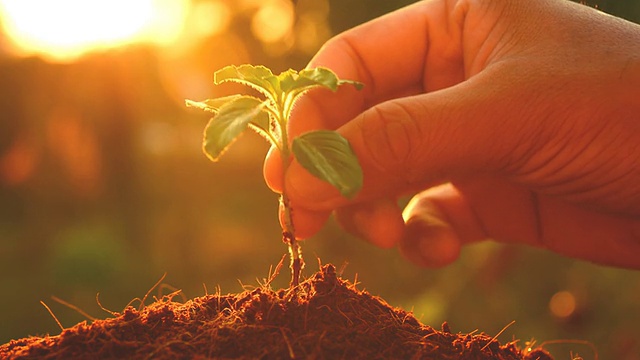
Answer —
324 153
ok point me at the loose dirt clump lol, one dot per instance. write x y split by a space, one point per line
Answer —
326 318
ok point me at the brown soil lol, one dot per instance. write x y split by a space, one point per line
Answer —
328 318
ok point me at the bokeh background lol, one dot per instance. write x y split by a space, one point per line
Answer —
104 188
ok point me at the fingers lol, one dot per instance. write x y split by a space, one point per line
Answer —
438 223
391 64
441 220
306 223
272 170
408 68
429 241
356 55
582 233
426 239
379 222
414 142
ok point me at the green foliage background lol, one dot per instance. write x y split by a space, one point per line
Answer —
116 192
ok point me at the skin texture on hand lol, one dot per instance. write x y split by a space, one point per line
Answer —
511 120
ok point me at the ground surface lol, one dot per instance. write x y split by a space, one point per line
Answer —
328 318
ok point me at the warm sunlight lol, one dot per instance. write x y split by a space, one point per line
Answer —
62 30
273 21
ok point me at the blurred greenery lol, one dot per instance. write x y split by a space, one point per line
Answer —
104 188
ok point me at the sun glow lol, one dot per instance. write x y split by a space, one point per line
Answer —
63 30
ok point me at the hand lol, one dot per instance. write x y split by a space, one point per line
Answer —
520 118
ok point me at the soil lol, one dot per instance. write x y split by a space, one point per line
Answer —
326 318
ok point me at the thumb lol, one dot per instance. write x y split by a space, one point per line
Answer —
410 143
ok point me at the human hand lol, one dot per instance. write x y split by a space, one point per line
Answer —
520 118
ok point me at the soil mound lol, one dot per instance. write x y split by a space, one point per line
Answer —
327 318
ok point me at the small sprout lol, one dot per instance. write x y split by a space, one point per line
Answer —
324 153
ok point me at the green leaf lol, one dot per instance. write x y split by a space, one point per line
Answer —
257 77
327 78
211 105
292 81
232 119
328 156
261 122
287 80
294 84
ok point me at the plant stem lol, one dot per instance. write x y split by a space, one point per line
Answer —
288 237
288 232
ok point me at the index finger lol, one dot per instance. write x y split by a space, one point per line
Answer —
390 55
410 51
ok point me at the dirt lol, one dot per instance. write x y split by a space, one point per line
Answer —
327 318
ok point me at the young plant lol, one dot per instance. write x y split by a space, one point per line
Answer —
324 153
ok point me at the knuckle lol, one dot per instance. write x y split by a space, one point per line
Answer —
391 136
